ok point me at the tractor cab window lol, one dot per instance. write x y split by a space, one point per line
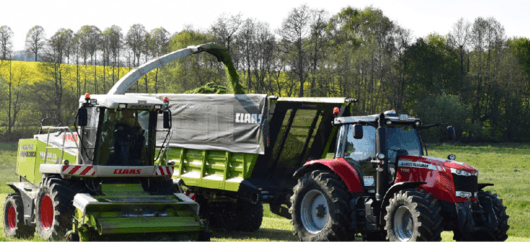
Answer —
403 140
361 151
125 138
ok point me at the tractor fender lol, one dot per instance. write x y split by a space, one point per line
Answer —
393 189
339 166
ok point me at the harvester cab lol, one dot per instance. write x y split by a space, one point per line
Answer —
382 184
119 130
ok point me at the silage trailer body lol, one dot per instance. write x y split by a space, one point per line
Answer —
233 152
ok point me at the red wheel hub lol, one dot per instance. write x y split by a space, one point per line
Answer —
12 217
46 212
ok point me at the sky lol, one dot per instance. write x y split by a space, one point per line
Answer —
423 17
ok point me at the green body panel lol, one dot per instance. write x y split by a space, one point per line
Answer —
212 169
31 154
128 209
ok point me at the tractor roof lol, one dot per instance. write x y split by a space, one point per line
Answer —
132 101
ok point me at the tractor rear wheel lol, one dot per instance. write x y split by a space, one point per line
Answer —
249 216
497 234
413 215
54 208
14 218
320 209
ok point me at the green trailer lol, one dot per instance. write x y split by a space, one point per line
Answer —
229 177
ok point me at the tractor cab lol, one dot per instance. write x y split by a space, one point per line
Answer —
360 145
118 130
357 141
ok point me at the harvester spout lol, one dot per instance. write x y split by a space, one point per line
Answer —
219 52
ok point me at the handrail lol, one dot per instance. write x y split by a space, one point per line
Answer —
59 128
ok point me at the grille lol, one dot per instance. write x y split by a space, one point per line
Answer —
465 183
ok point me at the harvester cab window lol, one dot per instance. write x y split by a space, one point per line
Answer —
89 136
361 151
124 138
131 137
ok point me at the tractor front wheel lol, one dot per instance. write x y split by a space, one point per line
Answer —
413 215
54 208
496 234
14 218
320 209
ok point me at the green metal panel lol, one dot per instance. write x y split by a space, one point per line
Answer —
26 156
31 154
212 169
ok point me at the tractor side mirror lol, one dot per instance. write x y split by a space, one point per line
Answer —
167 121
357 131
451 133
82 118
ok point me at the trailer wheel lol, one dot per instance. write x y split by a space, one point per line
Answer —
14 218
54 208
319 209
413 215
497 234
250 216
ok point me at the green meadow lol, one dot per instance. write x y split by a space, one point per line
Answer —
504 164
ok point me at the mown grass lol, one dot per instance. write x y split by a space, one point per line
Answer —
506 165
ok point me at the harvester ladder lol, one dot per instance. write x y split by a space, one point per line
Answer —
62 147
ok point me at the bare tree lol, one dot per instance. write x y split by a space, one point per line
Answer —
294 32
6 49
135 40
75 46
106 51
158 47
6 42
90 37
35 41
52 68
116 45
226 27
317 49
459 38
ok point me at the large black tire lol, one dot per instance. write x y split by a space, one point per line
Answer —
54 209
413 215
497 234
320 209
14 218
226 219
250 216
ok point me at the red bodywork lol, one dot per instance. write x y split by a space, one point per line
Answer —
344 170
435 172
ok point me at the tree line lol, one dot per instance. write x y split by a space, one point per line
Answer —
475 76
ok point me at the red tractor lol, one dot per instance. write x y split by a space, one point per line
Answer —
383 185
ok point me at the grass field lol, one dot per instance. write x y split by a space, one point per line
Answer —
506 165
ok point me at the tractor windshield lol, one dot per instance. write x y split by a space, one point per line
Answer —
400 139
403 139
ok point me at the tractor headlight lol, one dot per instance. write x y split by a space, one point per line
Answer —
122 106
380 156
463 173
158 106
463 194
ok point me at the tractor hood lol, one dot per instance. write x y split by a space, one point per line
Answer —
439 164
